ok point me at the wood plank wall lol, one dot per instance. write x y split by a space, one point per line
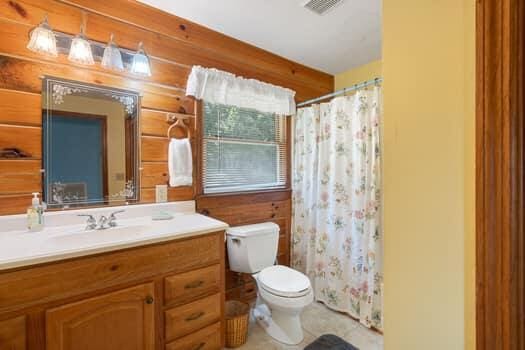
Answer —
174 45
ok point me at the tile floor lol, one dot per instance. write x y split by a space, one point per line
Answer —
318 320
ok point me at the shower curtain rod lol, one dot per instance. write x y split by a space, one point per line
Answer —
342 91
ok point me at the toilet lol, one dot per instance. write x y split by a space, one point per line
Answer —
282 292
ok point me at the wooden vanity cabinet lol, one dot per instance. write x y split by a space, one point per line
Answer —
124 319
13 334
163 296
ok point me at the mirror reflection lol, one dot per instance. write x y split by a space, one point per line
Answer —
90 136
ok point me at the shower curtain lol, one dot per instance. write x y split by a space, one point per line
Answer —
337 237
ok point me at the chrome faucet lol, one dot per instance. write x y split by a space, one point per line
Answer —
112 221
103 221
91 223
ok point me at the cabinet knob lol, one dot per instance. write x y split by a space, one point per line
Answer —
149 299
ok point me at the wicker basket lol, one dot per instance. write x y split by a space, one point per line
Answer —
237 318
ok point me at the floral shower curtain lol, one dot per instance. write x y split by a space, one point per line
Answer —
337 237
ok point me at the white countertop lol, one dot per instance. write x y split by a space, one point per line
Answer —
18 247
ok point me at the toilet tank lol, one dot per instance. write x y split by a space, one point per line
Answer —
251 248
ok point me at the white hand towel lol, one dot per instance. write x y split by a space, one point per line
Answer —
180 164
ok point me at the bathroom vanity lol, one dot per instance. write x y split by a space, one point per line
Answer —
148 285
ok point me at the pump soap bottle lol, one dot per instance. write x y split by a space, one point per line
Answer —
35 214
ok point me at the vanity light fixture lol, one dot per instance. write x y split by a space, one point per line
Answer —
112 58
80 51
140 64
43 40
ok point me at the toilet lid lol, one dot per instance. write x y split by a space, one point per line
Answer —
284 281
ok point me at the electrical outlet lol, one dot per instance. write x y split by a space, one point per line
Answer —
161 193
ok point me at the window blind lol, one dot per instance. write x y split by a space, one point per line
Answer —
243 149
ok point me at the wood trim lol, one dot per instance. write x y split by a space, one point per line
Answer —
500 265
199 123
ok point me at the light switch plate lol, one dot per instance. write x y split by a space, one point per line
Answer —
161 193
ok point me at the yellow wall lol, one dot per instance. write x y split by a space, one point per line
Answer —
358 75
428 71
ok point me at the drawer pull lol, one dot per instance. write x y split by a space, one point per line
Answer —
149 299
200 346
195 316
193 285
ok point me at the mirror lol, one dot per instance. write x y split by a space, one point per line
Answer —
90 144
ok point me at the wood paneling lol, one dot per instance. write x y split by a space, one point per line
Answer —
174 45
500 172
153 123
236 215
183 193
25 138
14 203
162 72
189 46
154 149
22 74
198 36
154 173
20 108
20 176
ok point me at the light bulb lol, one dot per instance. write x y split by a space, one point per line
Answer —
42 40
140 64
80 51
112 58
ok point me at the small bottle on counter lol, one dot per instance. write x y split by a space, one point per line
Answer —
35 214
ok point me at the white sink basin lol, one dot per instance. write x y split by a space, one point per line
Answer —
64 235
95 237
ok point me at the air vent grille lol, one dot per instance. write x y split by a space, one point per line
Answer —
321 6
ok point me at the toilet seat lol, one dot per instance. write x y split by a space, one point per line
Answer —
283 281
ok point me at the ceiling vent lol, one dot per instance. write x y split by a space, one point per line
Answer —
321 7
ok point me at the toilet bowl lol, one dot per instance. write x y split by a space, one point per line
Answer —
282 292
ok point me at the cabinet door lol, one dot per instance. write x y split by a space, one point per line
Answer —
118 320
13 334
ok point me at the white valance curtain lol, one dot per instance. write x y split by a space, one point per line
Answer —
216 86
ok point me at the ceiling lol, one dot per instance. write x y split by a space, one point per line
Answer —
345 37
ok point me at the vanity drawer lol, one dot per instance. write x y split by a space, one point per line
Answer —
185 319
208 338
191 285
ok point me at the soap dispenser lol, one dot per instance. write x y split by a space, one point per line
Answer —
35 214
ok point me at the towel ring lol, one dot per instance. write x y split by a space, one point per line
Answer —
177 120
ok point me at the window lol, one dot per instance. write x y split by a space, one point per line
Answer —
243 149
